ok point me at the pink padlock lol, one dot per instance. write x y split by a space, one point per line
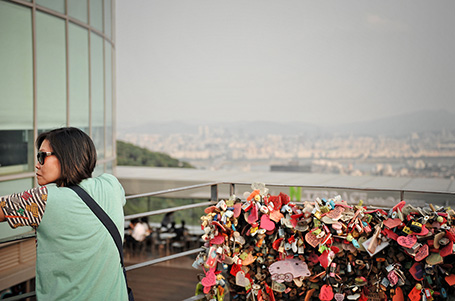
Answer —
338 228
211 257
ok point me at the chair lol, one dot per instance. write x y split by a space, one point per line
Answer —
178 246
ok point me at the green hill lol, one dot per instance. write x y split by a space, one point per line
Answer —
131 155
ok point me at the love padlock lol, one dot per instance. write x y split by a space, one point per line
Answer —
351 252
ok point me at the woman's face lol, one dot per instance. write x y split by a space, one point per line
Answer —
50 171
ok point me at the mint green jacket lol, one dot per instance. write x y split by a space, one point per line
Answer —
76 256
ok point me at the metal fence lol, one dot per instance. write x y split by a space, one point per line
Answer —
439 197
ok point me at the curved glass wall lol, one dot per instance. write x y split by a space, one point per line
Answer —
57 61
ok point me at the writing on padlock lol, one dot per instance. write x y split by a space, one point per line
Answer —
211 257
247 206
222 205
264 209
416 227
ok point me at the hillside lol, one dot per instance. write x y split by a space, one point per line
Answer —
131 155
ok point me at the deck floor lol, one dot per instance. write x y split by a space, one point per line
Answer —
171 280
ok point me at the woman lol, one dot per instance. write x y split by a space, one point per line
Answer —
76 256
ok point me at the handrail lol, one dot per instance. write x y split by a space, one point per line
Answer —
197 297
214 194
21 297
289 185
171 190
167 210
164 258
347 188
214 197
17 237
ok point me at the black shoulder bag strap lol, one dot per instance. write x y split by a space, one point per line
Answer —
108 223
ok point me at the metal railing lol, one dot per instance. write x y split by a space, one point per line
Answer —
214 196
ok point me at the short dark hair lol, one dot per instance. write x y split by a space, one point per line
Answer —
75 151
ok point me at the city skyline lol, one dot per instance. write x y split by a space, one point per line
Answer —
296 61
427 154
420 144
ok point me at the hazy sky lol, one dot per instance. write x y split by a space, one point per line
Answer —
310 61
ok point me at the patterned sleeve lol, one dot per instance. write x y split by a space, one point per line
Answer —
26 208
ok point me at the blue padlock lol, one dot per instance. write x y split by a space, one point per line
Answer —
443 292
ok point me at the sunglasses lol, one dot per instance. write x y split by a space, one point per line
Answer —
42 155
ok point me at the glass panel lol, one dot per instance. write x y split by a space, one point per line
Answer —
16 61
9 187
98 140
96 14
57 5
50 71
16 89
99 170
97 71
78 76
109 167
423 199
16 151
78 10
109 101
16 186
108 18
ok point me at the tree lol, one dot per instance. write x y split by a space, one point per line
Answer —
129 154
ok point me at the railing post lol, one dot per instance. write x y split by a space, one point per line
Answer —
402 195
231 189
214 193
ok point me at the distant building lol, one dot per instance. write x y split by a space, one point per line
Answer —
291 167
57 69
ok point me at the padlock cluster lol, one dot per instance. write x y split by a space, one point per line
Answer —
268 248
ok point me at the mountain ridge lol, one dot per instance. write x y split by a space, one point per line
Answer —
413 122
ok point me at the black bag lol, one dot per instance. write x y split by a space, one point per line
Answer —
110 226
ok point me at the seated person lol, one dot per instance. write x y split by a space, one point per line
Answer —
182 232
168 219
140 230
130 242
